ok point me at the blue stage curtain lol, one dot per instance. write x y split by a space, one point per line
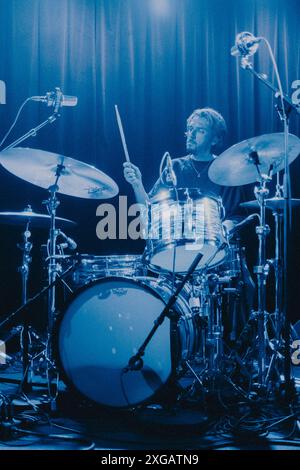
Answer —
156 67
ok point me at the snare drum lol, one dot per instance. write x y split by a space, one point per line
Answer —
181 224
92 267
103 327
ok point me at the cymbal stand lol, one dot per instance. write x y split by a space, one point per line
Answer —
278 217
213 375
26 248
214 328
261 271
52 203
278 319
284 107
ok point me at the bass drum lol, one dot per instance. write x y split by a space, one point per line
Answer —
103 327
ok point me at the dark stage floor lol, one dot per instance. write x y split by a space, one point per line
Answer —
76 424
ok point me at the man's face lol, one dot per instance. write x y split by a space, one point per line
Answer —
199 135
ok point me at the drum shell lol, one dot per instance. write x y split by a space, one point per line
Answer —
186 222
93 267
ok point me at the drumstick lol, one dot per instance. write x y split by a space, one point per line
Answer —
122 134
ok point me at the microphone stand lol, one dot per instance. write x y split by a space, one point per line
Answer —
136 361
33 132
284 110
246 65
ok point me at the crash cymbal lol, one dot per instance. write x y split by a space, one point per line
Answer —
35 219
77 178
235 166
274 203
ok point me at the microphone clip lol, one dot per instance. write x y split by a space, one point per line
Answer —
135 363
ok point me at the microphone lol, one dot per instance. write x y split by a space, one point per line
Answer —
241 224
69 242
56 99
245 44
171 173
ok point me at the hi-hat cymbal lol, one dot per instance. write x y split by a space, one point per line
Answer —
33 218
235 166
274 203
77 178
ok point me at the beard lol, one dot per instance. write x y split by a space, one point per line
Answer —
191 146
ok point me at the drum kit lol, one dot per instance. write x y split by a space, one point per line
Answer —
136 323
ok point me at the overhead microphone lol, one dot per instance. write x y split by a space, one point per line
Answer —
56 99
245 44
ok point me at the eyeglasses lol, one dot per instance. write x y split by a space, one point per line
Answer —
193 130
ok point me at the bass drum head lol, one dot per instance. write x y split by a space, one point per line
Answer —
101 329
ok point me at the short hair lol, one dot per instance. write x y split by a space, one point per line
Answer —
216 121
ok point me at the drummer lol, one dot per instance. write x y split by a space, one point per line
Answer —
206 129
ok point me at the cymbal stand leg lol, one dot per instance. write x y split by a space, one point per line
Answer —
24 269
215 331
199 304
261 271
52 204
278 216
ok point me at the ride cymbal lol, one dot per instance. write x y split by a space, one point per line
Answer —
236 166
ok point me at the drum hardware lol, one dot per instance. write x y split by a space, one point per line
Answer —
23 309
103 324
289 151
212 342
211 289
11 318
75 178
52 203
26 248
214 329
37 220
276 205
136 363
33 132
277 263
261 271
251 160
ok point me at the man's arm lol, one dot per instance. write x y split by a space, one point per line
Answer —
133 176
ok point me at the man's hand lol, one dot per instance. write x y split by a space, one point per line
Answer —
132 174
